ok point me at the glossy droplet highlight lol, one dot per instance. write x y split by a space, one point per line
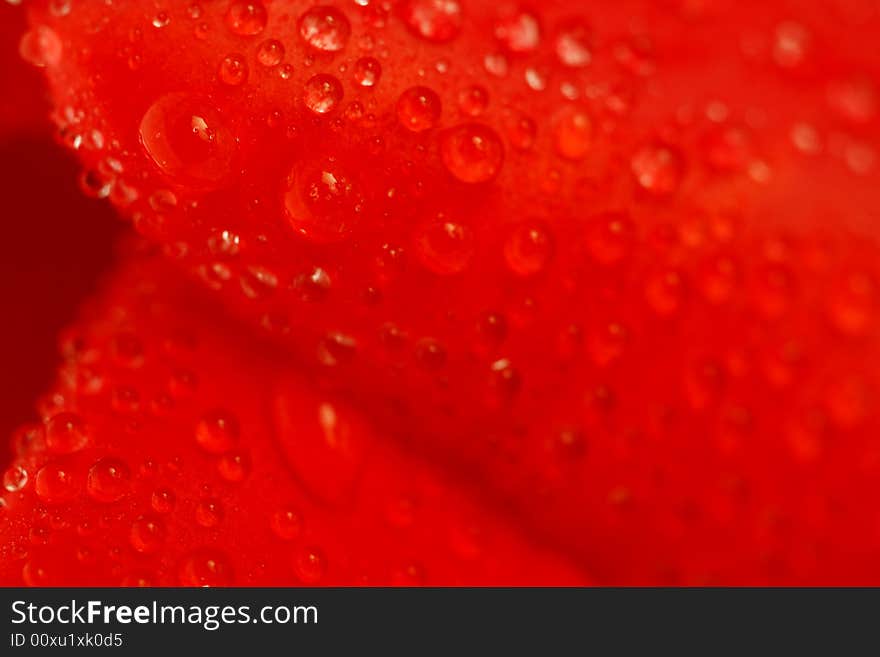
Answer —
234 466
56 483
41 47
325 29
108 480
233 70
573 45
65 433
473 101
418 109
472 152
209 513
445 247
217 432
657 169
147 534
367 71
309 565
322 93
438 21
573 133
270 53
203 568
518 31
15 478
246 18
528 249
286 524
188 140
323 203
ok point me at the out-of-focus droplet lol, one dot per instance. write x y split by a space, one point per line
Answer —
322 93
445 247
438 21
528 249
472 152
418 109
325 28
41 47
246 17
108 480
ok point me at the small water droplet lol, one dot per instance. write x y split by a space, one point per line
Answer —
418 109
234 466
473 100
574 44
233 70
246 18
367 71
15 478
518 31
309 565
205 568
791 44
270 53
322 203
286 524
65 433
657 169
438 21
218 432
472 152
209 513
528 249
573 133
160 20
109 480
322 93
445 247
664 292
147 534
162 500
56 482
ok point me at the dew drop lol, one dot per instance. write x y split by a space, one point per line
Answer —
438 21
325 28
147 534
472 152
791 44
610 237
246 18
286 524
657 169
209 513
108 480
234 466
418 109
445 247
518 31
573 45
41 47
56 483
573 133
162 500
15 478
65 433
664 292
367 71
521 131
205 568
187 139
322 93
217 432
270 53
160 20
528 249
233 70
309 565
322 203
473 101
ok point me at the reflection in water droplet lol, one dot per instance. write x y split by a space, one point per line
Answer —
472 152
433 20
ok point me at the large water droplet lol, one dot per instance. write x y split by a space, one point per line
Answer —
445 247
325 28
41 47
322 93
322 203
434 20
418 109
472 152
57 482
233 70
246 18
519 31
188 140
109 480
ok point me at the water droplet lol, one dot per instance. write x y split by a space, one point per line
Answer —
728 148
430 354
573 45
325 28
187 139
336 348
610 237
504 381
657 168
160 20
233 70
314 285
56 482
205 568
41 47
791 44
573 133
472 152
109 480
286 524
664 292
234 466
418 109
147 534
322 203
528 249
217 432
805 138
367 71
162 501
209 513
15 478
270 53
496 64
473 100
322 93
852 304
445 247
855 100
607 343
29 439
309 565
518 31
246 18
535 79
65 433
438 21
521 131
